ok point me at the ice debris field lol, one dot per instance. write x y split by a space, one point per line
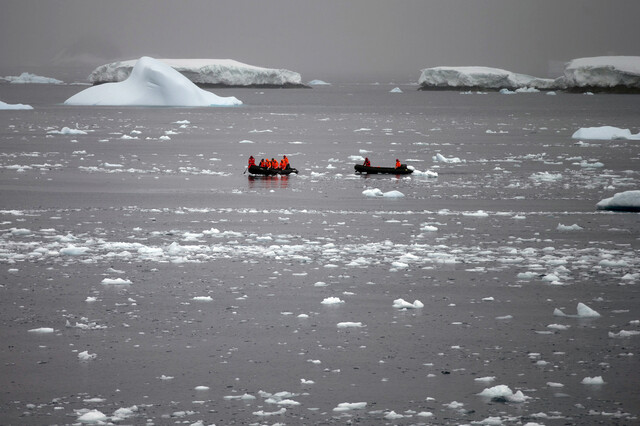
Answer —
146 279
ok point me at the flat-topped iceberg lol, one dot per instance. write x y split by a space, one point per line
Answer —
151 83
479 78
6 106
28 78
602 73
622 201
207 72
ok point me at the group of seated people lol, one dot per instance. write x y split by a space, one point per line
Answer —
271 164
367 163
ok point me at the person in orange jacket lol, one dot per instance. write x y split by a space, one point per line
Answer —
274 163
398 164
252 161
286 162
367 163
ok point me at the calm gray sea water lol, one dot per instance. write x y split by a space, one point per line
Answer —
219 317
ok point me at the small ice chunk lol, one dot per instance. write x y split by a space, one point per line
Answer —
349 324
593 381
86 356
93 417
115 281
348 406
203 298
402 304
41 330
332 301
503 393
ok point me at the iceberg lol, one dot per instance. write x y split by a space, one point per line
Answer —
28 78
622 201
595 74
472 78
206 72
151 83
604 133
603 73
6 106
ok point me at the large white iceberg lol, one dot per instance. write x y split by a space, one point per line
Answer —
213 72
605 133
480 77
622 201
151 83
603 72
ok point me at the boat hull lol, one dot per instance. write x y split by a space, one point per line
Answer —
267 171
402 170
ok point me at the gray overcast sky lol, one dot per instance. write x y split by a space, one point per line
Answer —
346 39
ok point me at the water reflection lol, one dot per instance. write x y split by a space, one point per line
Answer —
268 182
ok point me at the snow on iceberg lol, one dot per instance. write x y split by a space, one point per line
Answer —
6 106
622 201
28 78
604 133
479 77
151 83
213 72
603 72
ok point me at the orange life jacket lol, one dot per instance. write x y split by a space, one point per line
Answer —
252 162
398 164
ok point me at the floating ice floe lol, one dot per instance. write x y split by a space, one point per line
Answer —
115 281
86 356
318 83
375 192
332 301
593 381
28 78
6 106
402 304
349 324
546 177
426 173
605 133
583 312
395 90
348 406
203 298
67 131
93 417
151 83
218 72
441 158
573 227
622 201
623 334
41 330
503 393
